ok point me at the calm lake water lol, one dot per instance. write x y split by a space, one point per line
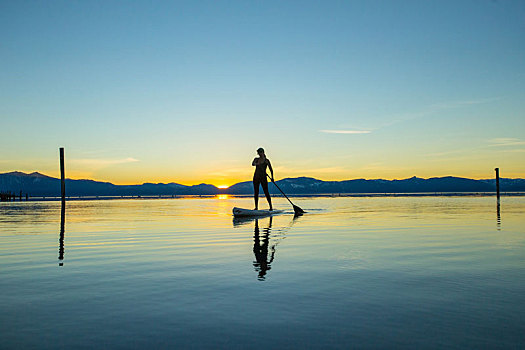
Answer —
391 272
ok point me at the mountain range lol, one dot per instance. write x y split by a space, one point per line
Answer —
37 184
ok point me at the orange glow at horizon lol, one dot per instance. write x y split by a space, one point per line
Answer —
225 177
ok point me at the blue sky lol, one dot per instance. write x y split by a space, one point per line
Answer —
186 91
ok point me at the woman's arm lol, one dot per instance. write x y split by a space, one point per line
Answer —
255 160
270 167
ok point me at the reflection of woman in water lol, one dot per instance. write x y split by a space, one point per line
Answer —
260 250
259 177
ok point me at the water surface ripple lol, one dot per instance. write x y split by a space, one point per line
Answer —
383 272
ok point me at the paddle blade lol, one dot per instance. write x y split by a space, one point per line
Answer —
297 210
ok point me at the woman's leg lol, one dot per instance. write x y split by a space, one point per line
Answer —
266 192
256 192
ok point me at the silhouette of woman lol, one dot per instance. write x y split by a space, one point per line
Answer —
259 177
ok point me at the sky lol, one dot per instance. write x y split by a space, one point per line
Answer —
186 91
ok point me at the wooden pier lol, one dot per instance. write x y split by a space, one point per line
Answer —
12 196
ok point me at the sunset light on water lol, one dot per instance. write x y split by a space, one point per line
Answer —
181 273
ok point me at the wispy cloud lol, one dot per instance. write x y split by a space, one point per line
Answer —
506 142
290 171
435 108
346 131
457 104
97 162
234 171
427 111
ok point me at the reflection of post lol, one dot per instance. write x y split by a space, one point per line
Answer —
62 229
497 183
498 213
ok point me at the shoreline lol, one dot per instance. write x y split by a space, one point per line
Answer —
321 195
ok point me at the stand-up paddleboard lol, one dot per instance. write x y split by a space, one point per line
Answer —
241 212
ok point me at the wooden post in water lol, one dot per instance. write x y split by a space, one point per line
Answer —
63 207
497 183
62 175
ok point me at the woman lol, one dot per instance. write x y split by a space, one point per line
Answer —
259 177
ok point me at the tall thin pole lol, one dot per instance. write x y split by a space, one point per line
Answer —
497 183
63 207
62 175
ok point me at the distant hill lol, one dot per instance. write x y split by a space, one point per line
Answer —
308 185
36 184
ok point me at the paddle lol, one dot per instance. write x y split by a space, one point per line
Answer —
296 209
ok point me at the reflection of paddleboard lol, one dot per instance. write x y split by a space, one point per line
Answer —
241 212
